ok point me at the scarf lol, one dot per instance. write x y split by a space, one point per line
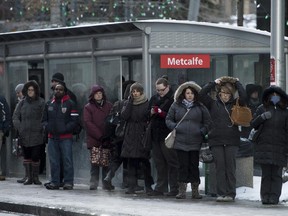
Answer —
139 100
187 104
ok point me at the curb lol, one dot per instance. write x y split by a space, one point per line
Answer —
38 210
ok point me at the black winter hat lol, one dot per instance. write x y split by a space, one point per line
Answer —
58 77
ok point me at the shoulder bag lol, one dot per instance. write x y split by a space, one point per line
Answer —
241 115
170 139
100 156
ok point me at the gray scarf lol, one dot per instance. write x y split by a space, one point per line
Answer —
139 100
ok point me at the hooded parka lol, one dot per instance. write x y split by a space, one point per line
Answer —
191 131
272 146
223 131
94 119
27 117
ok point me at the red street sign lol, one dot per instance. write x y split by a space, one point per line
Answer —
185 61
272 70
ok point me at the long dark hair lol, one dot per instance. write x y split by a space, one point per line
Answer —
182 95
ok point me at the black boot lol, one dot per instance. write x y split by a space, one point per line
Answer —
25 177
29 180
107 184
35 171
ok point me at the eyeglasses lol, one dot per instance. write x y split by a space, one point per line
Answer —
225 93
161 90
30 89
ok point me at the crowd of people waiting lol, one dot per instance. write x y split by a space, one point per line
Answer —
203 112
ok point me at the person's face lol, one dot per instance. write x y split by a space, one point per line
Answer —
162 90
135 93
19 94
54 83
254 95
59 91
98 96
31 92
224 96
189 95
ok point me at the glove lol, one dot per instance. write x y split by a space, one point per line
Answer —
130 98
266 115
159 112
104 139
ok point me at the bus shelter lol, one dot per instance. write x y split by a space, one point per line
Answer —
109 53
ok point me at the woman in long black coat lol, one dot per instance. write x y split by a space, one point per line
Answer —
271 146
134 112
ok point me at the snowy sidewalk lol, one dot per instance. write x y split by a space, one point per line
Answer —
38 200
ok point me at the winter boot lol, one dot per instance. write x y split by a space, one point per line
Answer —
182 191
195 191
35 171
93 182
26 174
28 168
107 181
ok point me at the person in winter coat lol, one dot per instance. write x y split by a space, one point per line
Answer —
165 159
254 93
58 78
224 137
60 118
271 148
94 116
134 112
117 139
5 126
190 134
27 119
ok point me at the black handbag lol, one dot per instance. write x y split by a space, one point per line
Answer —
205 154
147 137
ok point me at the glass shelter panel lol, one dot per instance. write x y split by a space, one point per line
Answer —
18 73
78 77
244 68
108 74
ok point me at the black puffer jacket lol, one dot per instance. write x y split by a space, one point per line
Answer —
195 125
272 144
223 132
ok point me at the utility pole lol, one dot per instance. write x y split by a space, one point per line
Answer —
277 69
193 12
240 12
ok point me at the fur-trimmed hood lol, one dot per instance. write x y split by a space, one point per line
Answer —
271 89
183 86
36 87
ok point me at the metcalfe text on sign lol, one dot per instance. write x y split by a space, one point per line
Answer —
185 61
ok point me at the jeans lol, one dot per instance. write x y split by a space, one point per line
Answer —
61 149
